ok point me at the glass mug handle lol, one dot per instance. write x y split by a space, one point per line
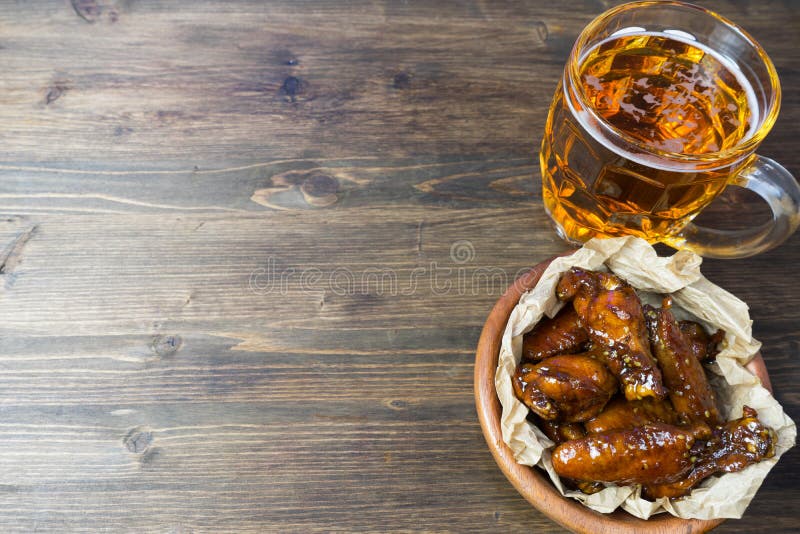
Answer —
772 182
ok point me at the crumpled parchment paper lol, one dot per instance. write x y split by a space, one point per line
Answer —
695 298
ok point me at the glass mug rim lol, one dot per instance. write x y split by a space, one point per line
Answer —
745 146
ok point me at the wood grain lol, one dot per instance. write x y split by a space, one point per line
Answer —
226 235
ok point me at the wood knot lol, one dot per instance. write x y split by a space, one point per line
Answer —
92 10
11 256
55 92
292 88
166 345
320 190
397 404
301 189
137 440
402 80
541 31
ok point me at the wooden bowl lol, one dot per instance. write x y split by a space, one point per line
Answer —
531 482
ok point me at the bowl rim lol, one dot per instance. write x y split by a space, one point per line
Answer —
531 483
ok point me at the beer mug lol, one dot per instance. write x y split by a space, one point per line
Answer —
662 105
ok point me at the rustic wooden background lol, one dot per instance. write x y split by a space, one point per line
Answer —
164 164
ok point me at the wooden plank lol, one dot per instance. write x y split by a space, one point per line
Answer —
282 185
99 272
150 84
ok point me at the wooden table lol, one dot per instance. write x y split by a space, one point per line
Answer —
239 240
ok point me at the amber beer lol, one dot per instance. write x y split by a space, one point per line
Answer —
662 105
668 93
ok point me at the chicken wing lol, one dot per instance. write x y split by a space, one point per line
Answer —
570 388
613 317
705 347
563 333
732 447
650 454
561 432
621 413
689 391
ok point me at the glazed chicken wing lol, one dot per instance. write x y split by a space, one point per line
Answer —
621 413
613 317
650 454
741 442
561 432
703 346
569 388
732 447
689 391
564 333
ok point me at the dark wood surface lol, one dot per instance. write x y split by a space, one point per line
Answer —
162 161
